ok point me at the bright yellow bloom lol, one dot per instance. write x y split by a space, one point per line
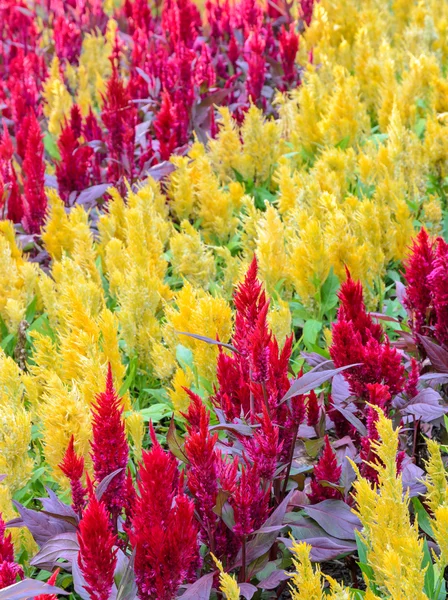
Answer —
227 583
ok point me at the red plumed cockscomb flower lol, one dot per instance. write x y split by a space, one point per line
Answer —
438 280
327 469
35 200
312 409
250 501
9 570
110 450
264 447
163 533
97 553
72 466
289 46
419 265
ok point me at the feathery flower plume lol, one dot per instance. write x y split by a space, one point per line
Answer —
72 466
35 200
289 46
418 267
110 450
327 469
97 556
163 532
9 570
438 280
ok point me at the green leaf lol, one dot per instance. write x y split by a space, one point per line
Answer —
156 412
8 344
329 292
311 330
127 383
184 356
429 573
344 143
31 310
51 147
424 521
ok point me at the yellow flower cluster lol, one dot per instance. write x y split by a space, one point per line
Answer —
393 546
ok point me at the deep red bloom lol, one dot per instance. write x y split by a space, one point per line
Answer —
411 387
119 116
306 11
289 46
259 342
164 126
255 47
327 469
9 570
264 447
110 450
357 339
72 466
249 501
312 409
97 556
164 532
438 280
35 200
72 171
202 470
418 267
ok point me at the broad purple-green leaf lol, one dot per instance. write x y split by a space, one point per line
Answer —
312 380
335 517
90 195
262 542
247 590
63 546
273 580
436 354
42 526
352 419
208 340
200 589
54 506
425 406
325 548
240 428
29 588
104 484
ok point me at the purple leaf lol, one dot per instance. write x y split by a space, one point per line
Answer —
351 418
53 505
204 338
436 354
335 517
273 580
247 590
245 430
42 527
89 196
200 590
127 589
28 588
312 380
104 484
325 548
425 406
314 359
340 389
412 477
64 546
262 542
158 172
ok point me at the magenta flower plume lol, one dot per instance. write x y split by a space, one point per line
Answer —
312 409
289 46
9 570
163 532
327 469
418 267
264 447
357 339
97 553
250 502
202 470
35 200
72 466
110 450
438 280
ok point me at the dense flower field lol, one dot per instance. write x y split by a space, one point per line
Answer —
223 299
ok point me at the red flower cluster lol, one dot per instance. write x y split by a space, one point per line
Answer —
163 530
97 553
72 466
357 339
426 296
166 80
110 450
327 470
9 570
